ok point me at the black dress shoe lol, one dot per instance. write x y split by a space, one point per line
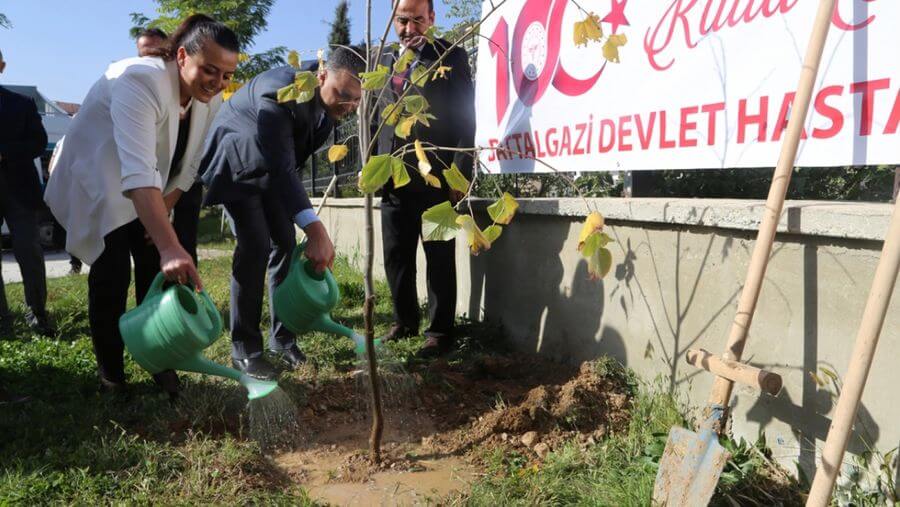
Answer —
40 324
398 332
292 357
6 326
113 387
256 367
435 346
168 381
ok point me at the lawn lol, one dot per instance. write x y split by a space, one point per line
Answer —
72 445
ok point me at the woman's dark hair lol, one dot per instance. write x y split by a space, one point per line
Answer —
194 33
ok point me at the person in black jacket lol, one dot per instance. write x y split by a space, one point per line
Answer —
22 139
250 165
452 101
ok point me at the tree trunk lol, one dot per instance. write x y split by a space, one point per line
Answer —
369 305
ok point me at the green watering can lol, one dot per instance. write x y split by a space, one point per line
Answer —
304 300
170 329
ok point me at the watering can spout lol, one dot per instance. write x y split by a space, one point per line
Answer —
255 388
327 325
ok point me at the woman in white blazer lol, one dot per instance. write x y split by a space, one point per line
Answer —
129 153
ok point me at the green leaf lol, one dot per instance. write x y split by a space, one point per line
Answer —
399 173
599 263
415 104
376 79
306 83
419 76
593 242
376 172
430 34
455 179
493 232
439 222
403 62
503 211
287 94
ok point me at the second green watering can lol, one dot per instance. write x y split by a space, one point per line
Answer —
304 299
170 329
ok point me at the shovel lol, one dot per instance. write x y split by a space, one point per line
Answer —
692 462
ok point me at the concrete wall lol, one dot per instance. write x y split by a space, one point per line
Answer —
678 270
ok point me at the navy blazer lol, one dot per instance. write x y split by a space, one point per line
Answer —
22 139
256 145
452 101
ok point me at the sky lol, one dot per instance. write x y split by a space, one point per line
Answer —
63 46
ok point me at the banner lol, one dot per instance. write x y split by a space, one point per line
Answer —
700 84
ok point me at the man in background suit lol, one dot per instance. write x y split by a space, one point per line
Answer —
250 165
452 101
22 139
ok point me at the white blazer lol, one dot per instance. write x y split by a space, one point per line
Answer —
122 138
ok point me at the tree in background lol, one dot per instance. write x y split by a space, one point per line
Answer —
247 18
340 27
4 21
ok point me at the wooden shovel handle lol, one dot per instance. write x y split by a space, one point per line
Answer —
721 392
860 362
766 381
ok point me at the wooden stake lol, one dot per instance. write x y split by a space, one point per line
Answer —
737 338
860 363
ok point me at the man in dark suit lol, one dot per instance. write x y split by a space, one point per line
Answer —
250 165
452 101
22 139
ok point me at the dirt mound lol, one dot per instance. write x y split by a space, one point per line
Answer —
588 404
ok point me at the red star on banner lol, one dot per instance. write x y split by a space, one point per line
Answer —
616 16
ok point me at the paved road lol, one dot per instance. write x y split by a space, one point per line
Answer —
58 264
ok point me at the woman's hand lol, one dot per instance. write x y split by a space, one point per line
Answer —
177 266
319 248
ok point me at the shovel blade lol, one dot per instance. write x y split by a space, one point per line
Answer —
689 469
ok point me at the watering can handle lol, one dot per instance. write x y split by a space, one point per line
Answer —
156 286
212 319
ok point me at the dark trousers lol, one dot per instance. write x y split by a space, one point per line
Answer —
22 221
187 219
108 283
265 240
401 229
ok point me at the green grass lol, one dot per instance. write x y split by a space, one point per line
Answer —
73 445
621 470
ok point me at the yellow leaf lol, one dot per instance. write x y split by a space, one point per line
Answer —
243 57
588 30
503 211
305 82
230 89
439 222
391 113
455 179
432 180
492 232
294 59
594 223
422 157
404 127
441 72
430 34
337 152
287 94
320 55
477 241
611 47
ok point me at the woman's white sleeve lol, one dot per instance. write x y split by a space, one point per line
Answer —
135 110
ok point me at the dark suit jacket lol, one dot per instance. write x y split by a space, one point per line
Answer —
452 101
255 145
22 139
